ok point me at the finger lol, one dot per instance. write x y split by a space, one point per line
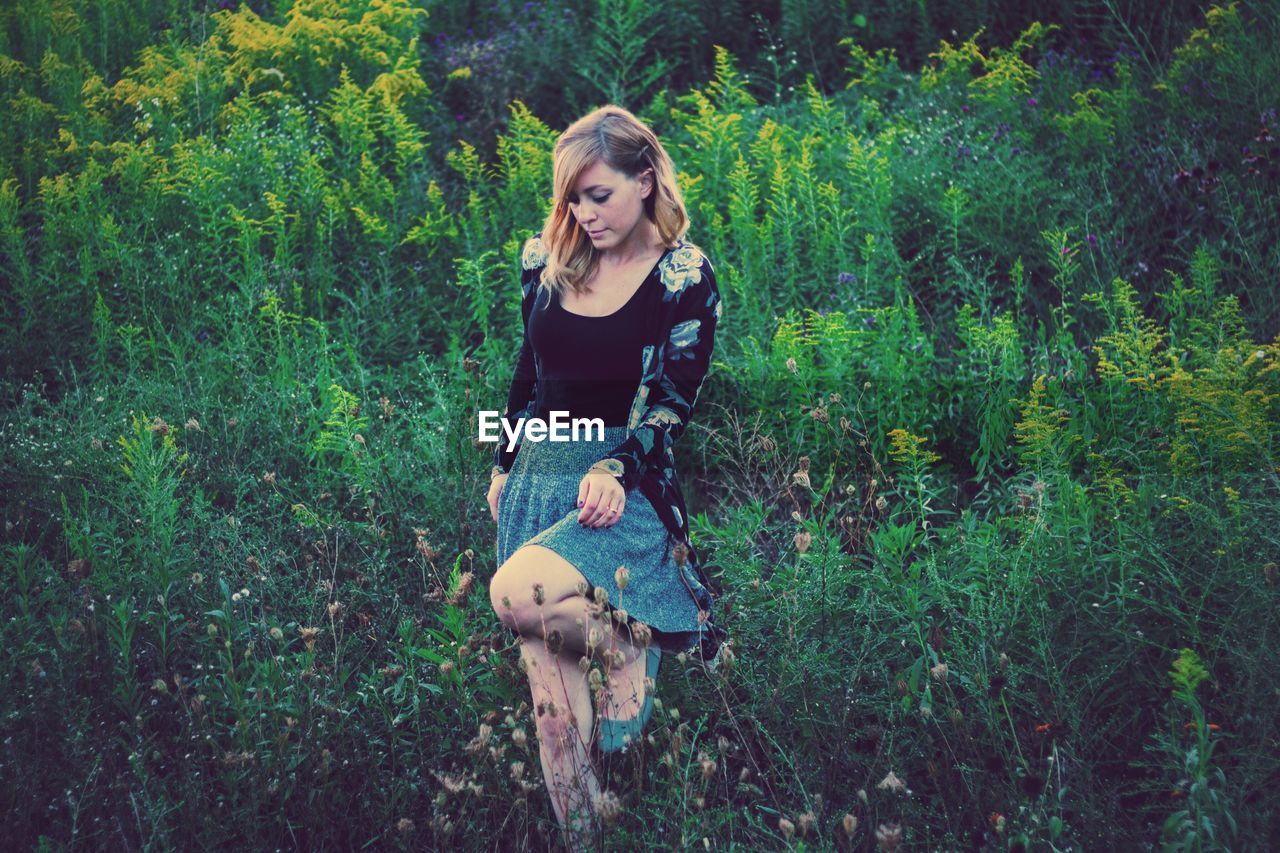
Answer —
583 488
609 498
597 503
591 508
587 493
620 504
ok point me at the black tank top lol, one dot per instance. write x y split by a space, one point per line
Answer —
590 366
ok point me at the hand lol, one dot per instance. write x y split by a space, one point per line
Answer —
598 493
495 492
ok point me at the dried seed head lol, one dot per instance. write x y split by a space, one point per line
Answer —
609 807
555 641
520 738
891 782
862 795
938 671
806 822
1271 573
602 595
594 637
787 827
517 769
641 634
584 664
708 766
583 588
888 836
680 553
1003 661
621 577
792 366
803 539
463 588
539 594
881 503
849 824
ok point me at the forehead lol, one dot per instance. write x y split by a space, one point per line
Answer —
598 175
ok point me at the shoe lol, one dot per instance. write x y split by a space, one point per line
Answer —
616 734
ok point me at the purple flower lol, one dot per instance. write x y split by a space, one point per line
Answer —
870 320
1093 241
846 278
202 335
963 151
459 118
1015 151
1032 102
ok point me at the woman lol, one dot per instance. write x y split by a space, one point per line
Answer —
595 562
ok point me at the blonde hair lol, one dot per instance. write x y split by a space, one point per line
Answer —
613 135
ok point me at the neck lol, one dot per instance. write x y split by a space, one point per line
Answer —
640 244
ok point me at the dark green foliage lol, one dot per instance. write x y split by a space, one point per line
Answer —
985 471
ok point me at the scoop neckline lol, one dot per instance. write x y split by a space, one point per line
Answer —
630 299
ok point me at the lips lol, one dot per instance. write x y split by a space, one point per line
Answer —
597 233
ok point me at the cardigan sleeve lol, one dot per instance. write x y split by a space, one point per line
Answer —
685 357
522 393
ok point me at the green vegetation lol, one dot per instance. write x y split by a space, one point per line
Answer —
986 470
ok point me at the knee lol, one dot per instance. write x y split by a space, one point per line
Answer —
511 593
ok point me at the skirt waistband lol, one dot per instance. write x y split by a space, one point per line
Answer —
588 448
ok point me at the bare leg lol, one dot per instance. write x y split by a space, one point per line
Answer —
562 709
576 622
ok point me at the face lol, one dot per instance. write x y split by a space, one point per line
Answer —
607 204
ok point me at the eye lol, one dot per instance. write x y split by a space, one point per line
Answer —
600 200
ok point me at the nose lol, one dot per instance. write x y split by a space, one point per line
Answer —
585 214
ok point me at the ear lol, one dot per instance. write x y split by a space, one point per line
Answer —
646 182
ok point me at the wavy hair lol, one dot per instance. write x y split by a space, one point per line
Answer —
613 135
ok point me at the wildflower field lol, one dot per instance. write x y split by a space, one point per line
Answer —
986 473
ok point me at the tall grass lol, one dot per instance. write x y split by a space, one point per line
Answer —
985 468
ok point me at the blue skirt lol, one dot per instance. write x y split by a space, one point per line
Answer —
538 506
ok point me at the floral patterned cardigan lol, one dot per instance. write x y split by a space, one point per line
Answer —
674 363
